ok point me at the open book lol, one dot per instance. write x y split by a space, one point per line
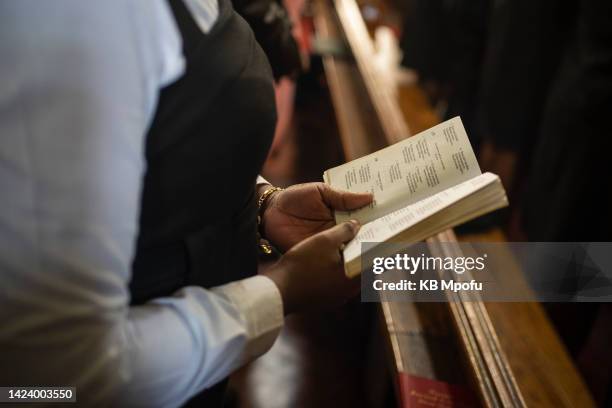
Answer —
422 185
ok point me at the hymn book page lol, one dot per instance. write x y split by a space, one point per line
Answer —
386 227
408 171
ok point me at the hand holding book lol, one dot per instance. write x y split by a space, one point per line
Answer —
302 210
422 185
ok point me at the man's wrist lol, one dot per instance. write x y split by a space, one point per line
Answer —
277 275
260 188
263 203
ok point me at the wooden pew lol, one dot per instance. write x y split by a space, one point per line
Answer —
493 354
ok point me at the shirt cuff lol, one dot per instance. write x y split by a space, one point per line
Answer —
261 180
259 302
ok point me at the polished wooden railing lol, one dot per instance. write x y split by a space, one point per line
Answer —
510 355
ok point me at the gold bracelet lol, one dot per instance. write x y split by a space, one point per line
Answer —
266 248
266 195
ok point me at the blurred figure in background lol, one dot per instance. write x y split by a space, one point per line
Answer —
444 42
567 189
276 27
532 81
272 27
525 44
514 70
567 197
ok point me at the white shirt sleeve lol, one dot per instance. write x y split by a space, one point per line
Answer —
78 87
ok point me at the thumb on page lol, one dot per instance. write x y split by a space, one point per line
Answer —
342 233
344 200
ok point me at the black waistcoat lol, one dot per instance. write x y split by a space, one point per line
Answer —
207 143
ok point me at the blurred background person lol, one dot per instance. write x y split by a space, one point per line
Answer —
532 81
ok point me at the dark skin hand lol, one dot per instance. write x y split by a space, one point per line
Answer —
310 275
302 210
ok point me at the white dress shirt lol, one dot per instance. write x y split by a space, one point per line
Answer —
78 88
